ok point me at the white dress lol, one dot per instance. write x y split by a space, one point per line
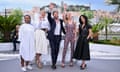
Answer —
26 38
41 42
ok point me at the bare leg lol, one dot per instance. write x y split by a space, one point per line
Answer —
83 62
27 63
38 62
83 65
22 62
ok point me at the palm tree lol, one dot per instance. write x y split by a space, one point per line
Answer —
7 24
114 2
18 14
106 21
96 28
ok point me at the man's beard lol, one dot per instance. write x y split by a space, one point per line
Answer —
56 17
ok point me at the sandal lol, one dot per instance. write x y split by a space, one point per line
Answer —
62 65
39 64
83 66
71 64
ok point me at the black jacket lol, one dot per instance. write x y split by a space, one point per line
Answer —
53 25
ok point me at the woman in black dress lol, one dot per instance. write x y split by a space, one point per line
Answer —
82 48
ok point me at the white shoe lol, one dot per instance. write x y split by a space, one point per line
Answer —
29 67
23 69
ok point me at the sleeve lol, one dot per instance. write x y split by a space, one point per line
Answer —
89 26
49 17
79 27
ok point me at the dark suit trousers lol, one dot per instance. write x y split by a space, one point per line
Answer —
55 43
14 44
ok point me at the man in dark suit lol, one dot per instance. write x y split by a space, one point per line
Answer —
54 34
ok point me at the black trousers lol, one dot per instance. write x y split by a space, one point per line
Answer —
14 44
54 44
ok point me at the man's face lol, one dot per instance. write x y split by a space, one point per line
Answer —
27 19
55 14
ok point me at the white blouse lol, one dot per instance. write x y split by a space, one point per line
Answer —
43 24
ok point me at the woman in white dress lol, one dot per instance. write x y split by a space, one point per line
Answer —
26 38
41 46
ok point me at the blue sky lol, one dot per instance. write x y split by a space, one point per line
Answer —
28 4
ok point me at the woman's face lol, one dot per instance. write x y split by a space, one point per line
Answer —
82 19
68 16
43 13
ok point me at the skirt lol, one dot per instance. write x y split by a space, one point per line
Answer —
41 42
82 49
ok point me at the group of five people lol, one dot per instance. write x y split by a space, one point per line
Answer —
34 40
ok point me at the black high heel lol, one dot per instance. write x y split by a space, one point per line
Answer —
82 68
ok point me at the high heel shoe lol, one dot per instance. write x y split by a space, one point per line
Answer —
71 64
83 66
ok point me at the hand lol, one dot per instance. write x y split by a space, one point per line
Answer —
51 6
63 15
65 7
87 38
40 18
75 38
14 36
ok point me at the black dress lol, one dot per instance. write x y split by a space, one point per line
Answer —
82 47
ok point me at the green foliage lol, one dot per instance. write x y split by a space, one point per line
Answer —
87 13
97 27
109 42
18 14
104 21
8 23
114 38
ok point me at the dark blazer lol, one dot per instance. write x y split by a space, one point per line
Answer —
14 36
53 25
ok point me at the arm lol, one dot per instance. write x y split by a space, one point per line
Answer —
90 33
64 19
63 29
49 17
51 6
